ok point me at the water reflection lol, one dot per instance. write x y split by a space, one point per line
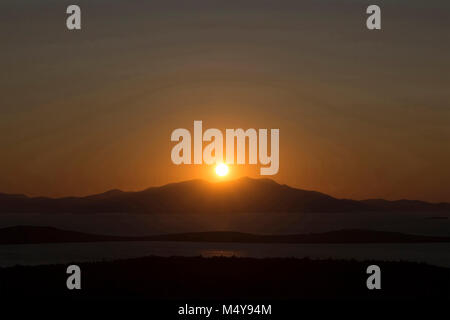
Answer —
432 253
223 253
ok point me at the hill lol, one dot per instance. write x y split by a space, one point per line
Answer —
198 196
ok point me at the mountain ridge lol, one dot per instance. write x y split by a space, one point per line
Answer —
200 196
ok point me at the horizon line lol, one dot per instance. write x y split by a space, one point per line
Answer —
210 182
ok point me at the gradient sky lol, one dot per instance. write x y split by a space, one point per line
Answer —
362 114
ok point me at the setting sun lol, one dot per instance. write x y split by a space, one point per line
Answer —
221 169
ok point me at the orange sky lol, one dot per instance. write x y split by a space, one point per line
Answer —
361 114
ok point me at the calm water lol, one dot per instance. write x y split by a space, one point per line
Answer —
287 223
432 253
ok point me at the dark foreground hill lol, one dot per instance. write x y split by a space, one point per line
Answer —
185 279
198 196
34 234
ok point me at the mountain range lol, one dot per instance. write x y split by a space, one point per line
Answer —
199 196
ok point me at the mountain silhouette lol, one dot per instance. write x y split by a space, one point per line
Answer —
199 196
38 234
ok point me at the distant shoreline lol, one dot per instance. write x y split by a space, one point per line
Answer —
42 235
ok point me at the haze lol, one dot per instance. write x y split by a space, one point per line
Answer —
362 114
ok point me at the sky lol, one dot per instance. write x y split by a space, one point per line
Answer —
362 114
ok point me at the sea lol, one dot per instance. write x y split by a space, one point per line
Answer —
283 223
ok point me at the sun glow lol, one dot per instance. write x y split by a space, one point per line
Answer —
221 169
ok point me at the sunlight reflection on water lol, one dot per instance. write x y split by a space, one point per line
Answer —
34 254
222 253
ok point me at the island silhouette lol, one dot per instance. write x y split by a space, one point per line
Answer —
39 234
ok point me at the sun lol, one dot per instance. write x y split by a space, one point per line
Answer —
221 169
